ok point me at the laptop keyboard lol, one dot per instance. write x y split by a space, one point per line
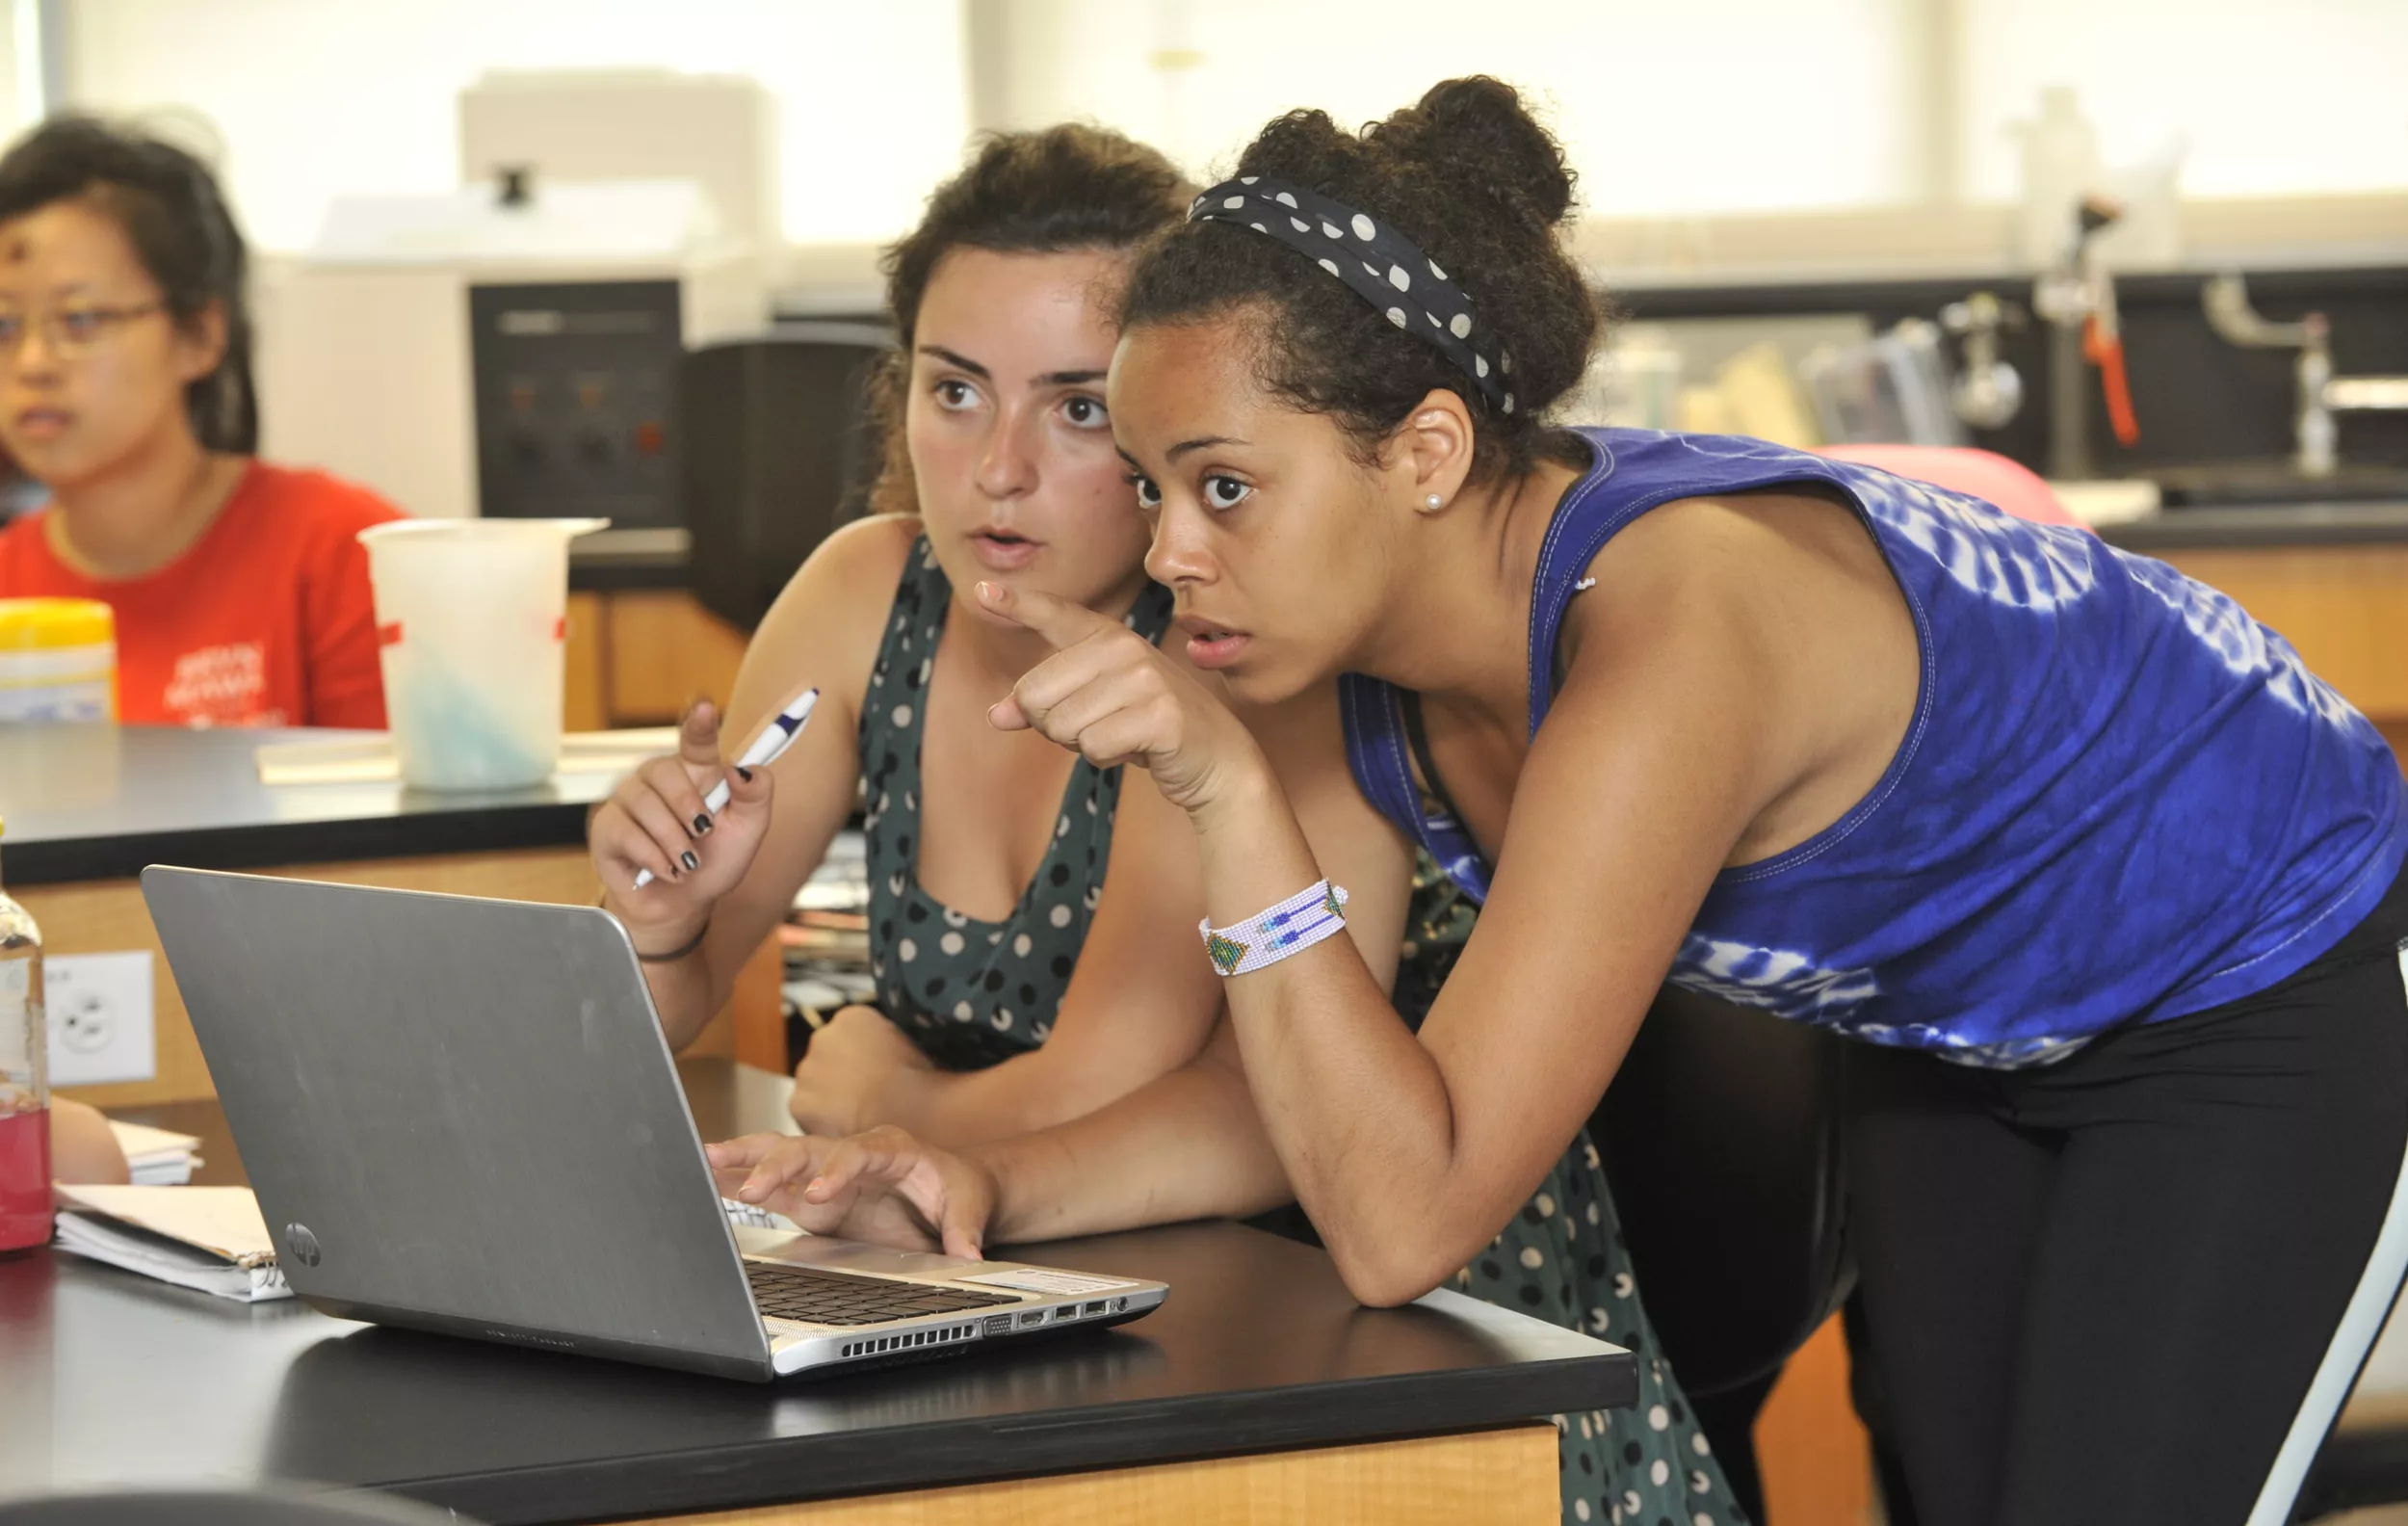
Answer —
838 1297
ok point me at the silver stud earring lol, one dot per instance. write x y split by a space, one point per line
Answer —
1433 501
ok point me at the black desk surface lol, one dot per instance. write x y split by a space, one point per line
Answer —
99 802
108 1378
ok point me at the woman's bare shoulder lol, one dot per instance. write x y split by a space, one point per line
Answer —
825 625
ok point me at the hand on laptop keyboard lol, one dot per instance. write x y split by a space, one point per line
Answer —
883 1187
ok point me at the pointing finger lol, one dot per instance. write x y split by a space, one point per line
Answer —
1062 623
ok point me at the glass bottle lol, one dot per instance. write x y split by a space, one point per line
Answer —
24 1085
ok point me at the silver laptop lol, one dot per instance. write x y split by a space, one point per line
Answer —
461 1116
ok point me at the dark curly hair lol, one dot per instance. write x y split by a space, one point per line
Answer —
1068 187
1468 174
172 213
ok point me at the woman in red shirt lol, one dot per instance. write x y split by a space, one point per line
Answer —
241 590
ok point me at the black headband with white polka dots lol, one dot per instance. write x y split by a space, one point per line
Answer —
1377 263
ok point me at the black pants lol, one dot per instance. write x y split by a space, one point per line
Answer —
2114 1289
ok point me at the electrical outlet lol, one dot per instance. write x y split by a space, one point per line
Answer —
100 1017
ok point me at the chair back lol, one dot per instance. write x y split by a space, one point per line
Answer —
780 449
1722 1138
1988 475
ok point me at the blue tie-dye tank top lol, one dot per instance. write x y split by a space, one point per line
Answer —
2120 799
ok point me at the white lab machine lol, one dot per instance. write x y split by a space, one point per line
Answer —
511 347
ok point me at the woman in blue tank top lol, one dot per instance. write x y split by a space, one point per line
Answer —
2104 883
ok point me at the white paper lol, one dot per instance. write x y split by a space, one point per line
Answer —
156 1157
224 1220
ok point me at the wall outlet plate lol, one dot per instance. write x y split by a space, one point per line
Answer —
99 1008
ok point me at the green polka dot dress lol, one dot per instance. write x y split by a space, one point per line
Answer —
970 993
1562 1260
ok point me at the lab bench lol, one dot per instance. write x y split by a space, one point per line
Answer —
88 807
1260 1391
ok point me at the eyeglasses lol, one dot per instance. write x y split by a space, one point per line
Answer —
71 331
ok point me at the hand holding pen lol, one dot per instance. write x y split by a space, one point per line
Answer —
649 839
772 738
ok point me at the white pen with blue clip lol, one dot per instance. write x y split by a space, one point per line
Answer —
774 738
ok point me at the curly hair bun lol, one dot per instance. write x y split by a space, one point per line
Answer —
1475 138
1469 174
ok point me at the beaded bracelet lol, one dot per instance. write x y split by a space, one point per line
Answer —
1291 926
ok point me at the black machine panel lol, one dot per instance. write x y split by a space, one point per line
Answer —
781 446
576 396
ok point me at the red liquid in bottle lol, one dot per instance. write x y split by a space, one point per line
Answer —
24 1179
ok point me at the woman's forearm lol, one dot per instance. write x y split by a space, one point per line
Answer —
956 1108
83 1148
1356 1109
681 993
687 992
1068 1077
1186 1147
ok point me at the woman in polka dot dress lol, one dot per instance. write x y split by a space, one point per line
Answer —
968 992
988 854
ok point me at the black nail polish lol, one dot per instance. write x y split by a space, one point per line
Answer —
743 772
702 825
691 863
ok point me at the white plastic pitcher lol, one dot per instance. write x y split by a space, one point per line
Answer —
471 614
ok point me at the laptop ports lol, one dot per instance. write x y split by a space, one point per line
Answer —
998 1325
1097 1308
1031 1317
1066 1312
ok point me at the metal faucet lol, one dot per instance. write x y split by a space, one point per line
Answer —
1987 393
2321 393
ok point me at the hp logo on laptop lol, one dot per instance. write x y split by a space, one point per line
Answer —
303 1244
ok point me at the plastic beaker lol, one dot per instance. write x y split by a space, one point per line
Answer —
471 616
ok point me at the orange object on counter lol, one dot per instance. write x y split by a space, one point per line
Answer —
2103 348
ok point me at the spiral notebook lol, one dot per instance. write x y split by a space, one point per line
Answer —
210 1239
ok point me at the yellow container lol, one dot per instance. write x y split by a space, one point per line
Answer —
58 660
